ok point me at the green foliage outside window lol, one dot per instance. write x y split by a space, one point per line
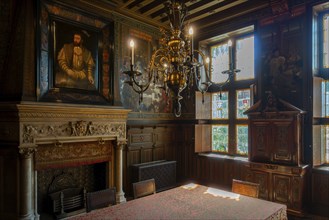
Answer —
242 139
220 138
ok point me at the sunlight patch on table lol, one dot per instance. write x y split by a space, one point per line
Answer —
222 193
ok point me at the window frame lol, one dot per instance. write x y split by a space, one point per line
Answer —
235 85
323 72
320 75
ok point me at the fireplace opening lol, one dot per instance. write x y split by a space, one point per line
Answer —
90 178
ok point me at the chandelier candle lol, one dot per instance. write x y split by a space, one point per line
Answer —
190 31
132 45
229 43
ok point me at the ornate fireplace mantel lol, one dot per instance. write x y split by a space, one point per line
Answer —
52 135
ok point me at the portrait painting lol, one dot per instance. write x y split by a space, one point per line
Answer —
76 56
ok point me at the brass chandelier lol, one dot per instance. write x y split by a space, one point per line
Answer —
176 63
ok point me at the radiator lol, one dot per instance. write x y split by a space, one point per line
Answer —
163 172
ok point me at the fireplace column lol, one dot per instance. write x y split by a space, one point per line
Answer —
118 182
26 183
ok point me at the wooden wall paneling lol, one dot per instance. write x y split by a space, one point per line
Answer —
246 173
201 171
320 193
228 172
159 152
133 156
211 170
192 156
215 172
180 151
8 182
219 171
189 157
139 150
237 170
147 154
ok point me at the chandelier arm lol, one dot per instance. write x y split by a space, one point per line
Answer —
206 68
178 106
203 87
174 63
142 88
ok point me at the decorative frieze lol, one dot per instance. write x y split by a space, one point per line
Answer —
31 131
68 154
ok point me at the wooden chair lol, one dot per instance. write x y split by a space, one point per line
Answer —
245 188
100 199
144 188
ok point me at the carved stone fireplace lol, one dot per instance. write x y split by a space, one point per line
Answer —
65 135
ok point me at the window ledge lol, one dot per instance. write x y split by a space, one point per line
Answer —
321 169
220 156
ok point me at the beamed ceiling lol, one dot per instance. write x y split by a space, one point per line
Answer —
201 13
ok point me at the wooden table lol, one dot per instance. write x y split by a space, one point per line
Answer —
191 201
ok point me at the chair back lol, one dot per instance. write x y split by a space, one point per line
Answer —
100 199
245 188
144 188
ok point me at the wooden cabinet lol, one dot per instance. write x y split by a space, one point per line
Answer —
279 183
275 132
275 146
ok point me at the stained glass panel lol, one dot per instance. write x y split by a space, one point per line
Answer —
325 98
243 102
220 105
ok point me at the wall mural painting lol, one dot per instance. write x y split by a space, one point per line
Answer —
282 60
154 99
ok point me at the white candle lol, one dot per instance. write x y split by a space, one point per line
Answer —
190 31
230 54
132 45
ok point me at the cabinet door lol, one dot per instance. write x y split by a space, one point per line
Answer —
284 149
281 189
260 141
264 188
